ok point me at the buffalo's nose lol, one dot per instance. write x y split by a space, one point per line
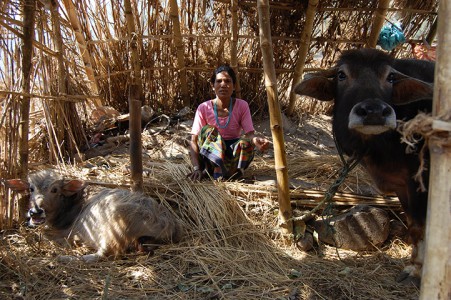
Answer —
373 112
373 108
35 211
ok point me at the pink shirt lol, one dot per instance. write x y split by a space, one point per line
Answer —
240 120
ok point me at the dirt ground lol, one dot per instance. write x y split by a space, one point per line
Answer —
232 249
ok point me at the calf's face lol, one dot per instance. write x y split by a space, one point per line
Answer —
48 194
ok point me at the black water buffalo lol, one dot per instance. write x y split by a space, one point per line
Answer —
372 91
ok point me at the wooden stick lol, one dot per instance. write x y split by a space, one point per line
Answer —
178 41
378 22
310 198
303 51
136 166
234 47
84 53
29 7
134 104
436 279
276 121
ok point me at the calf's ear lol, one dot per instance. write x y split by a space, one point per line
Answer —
17 185
72 187
408 90
317 85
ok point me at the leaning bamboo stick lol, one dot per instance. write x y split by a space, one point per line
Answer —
378 22
62 76
436 279
178 41
303 51
234 47
275 117
76 27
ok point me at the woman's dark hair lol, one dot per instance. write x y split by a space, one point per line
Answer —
223 68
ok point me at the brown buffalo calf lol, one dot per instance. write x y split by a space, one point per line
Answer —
110 221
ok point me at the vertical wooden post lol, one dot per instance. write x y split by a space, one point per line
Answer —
180 51
29 7
233 47
136 165
134 102
378 22
436 277
303 51
275 117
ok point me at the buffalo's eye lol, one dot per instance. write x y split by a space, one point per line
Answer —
391 77
31 189
54 190
341 75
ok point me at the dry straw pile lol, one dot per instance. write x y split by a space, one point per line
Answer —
229 252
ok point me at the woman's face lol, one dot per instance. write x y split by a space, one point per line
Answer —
223 85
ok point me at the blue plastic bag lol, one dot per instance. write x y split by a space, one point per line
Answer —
390 37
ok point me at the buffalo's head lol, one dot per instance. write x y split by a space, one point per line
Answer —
366 87
49 194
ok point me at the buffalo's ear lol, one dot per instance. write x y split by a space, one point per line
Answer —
72 187
17 185
408 89
317 85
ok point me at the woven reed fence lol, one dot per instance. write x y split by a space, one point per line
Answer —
81 57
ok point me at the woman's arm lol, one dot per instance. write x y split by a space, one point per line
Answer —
261 143
194 155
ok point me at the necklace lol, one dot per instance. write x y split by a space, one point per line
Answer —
216 114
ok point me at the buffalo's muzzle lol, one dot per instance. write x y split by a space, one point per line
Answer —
372 117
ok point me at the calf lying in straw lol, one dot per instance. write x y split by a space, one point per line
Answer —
112 221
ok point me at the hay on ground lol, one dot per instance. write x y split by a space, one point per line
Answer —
227 253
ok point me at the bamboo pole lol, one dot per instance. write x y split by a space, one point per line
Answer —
378 22
436 279
133 35
134 102
275 115
29 7
303 51
82 46
62 76
234 47
178 41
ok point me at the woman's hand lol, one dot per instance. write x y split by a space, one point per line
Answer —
262 144
196 175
